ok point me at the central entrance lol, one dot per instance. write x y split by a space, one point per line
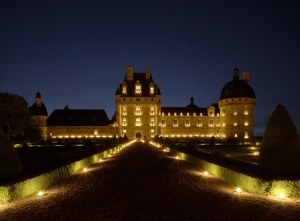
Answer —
138 135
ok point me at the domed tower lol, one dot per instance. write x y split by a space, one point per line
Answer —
38 115
236 105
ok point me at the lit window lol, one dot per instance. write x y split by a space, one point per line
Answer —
124 89
151 110
124 122
152 122
211 123
218 123
138 89
175 123
199 123
138 110
138 122
151 90
187 123
246 123
124 111
235 113
163 123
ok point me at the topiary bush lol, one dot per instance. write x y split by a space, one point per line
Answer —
10 162
280 150
191 146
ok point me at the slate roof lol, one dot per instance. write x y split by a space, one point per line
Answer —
145 86
237 88
78 117
38 110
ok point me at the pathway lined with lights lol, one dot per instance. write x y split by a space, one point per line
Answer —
141 182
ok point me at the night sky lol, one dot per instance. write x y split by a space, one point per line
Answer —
76 52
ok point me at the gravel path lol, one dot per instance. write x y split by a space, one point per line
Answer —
143 183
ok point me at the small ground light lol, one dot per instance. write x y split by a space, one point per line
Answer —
40 193
281 196
239 190
177 157
100 160
84 169
205 173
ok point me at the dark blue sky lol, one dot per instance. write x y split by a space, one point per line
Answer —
75 52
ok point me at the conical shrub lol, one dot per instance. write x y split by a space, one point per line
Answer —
280 150
10 162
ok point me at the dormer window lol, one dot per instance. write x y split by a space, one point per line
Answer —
138 87
124 88
151 88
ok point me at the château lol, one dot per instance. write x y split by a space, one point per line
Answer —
139 114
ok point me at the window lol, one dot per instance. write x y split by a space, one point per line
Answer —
152 122
124 111
163 123
175 123
124 122
151 90
124 89
138 89
199 123
138 122
138 110
211 123
187 123
151 110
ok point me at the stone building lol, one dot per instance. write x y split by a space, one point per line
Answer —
140 114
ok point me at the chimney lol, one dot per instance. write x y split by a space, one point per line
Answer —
129 73
246 77
147 71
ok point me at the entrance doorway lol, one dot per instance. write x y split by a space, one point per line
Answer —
138 135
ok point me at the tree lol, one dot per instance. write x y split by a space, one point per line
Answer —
14 114
280 150
33 134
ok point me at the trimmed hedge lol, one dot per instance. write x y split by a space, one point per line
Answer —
9 193
290 188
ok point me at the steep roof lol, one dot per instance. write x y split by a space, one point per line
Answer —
237 88
78 117
40 110
141 78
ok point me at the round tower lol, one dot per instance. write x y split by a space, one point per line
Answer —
38 115
237 101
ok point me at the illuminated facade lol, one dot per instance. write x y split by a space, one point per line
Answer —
139 114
